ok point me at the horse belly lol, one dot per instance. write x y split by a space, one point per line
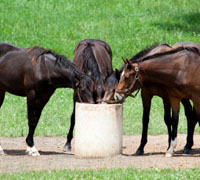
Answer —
13 86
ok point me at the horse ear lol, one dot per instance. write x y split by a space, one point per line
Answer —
117 73
125 60
130 64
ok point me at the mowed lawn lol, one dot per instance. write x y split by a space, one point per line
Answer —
127 26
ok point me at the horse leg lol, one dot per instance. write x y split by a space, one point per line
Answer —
35 104
191 122
175 104
2 95
196 103
167 118
146 100
67 146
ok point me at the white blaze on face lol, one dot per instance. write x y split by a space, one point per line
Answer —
122 75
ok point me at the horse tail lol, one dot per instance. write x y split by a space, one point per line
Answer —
88 52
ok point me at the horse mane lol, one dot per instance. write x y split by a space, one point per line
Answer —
62 61
90 62
145 52
35 51
157 55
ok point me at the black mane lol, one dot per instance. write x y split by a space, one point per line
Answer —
144 52
62 61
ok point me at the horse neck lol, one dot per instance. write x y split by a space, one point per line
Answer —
159 48
73 74
61 74
156 71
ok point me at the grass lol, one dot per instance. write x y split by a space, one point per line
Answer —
128 27
105 174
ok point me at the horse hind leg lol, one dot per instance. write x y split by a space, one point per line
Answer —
175 103
2 95
191 123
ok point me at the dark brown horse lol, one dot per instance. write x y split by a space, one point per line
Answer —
176 71
94 58
36 73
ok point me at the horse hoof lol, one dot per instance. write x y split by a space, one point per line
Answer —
67 148
32 151
1 151
187 151
139 152
168 154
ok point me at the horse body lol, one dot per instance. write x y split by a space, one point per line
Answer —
177 72
36 73
94 58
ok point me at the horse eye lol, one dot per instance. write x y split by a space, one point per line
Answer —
127 76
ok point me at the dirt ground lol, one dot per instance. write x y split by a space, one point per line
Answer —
52 156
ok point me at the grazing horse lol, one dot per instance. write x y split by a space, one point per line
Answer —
36 73
94 58
177 72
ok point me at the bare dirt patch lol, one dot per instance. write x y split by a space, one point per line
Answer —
52 156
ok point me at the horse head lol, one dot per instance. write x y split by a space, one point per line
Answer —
110 86
84 89
99 89
128 81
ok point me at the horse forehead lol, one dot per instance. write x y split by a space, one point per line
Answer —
122 75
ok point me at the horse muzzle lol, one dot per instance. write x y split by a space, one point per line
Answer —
119 97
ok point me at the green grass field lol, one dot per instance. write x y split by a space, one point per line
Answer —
105 174
127 26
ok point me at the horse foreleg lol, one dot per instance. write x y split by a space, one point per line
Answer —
2 95
191 122
175 103
67 146
35 104
33 117
146 100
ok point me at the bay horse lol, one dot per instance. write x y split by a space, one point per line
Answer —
94 58
177 72
147 93
36 73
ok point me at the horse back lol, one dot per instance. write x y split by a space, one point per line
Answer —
101 51
186 44
7 47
